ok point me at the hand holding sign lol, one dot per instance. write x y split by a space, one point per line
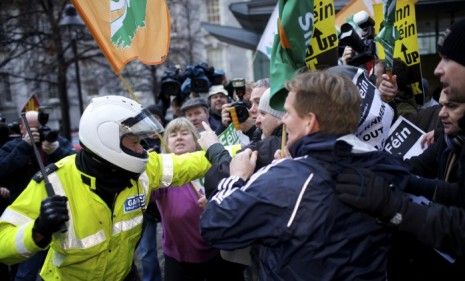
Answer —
207 137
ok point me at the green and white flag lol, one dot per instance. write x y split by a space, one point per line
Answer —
306 39
295 28
266 41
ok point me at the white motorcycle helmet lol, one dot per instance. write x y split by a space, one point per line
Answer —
106 120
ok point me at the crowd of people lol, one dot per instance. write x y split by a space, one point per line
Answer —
298 196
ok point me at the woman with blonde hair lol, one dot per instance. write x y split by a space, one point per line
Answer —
187 256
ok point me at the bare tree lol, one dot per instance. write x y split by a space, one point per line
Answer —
33 49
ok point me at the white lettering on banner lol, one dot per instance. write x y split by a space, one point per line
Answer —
404 139
306 24
363 88
398 139
377 123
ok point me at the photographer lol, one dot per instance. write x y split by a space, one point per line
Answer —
18 164
217 97
356 41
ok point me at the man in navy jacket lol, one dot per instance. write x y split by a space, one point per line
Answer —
288 211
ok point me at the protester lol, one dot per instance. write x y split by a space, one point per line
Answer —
288 210
93 222
196 111
248 127
217 97
440 223
187 256
268 121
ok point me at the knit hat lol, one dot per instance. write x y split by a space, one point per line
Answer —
217 89
194 102
452 43
264 105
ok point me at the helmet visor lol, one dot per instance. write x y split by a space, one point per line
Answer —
142 125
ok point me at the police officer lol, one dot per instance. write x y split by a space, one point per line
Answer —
100 195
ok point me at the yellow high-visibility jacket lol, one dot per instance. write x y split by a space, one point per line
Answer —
98 244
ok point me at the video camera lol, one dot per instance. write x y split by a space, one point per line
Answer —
363 44
46 133
170 85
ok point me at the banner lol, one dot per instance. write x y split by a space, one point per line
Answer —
406 46
295 28
404 139
128 29
376 115
323 49
307 38
229 136
266 41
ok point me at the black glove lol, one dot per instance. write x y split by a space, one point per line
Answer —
52 218
364 190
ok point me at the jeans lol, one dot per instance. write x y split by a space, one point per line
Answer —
147 253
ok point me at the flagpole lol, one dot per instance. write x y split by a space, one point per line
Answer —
127 86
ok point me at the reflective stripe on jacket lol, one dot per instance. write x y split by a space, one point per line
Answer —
98 244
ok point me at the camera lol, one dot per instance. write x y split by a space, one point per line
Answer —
363 43
239 87
242 111
170 82
45 132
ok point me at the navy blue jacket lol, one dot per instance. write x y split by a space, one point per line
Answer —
289 213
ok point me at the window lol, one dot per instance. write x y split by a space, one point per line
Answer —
215 58
213 11
427 43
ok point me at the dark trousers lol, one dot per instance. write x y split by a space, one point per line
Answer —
215 269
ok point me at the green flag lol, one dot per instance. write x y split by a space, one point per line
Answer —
388 35
295 28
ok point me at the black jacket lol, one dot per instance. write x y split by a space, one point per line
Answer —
439 226
18 163
219 158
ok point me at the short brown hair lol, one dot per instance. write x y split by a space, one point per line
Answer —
334 100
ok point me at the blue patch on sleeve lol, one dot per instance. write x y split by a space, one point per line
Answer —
133 203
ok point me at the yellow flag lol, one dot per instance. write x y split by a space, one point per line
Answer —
128 29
